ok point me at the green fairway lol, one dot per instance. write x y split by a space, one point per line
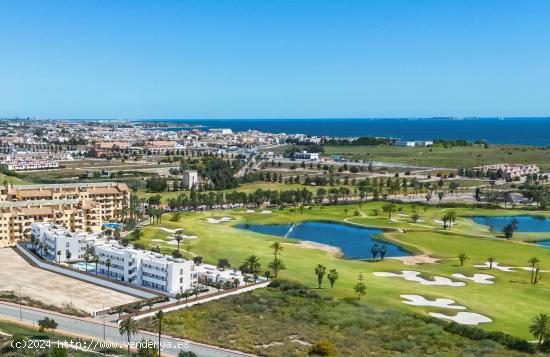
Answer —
511 302
453 157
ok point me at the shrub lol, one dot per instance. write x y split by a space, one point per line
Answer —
187 354
323 348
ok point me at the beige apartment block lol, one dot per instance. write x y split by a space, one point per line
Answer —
79 207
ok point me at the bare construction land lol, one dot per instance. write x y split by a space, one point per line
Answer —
16 275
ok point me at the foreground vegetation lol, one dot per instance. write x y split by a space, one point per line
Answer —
288 319
10 331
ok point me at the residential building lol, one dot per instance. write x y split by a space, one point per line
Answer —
407 143
29 164
509 172
304 155
413 143
17 217
58 239
80 206
145 268
141 267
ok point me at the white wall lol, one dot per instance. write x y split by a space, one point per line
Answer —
206 299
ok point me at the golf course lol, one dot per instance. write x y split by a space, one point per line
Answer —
490 285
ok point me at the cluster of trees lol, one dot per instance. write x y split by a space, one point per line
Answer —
459 142
309 147
215 173
156 184
363 140
256 198
374 189
537 193
321 271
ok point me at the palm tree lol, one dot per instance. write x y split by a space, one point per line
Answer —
320 271
108 265
129 328
449 218
389 208
120 310
252 263
491 260
59 256
136 234
533 261
159 316
540 327
332 277
277 248
179 237
276 265
86 260
374 251
462 257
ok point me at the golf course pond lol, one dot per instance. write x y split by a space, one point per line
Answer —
354 242
524 224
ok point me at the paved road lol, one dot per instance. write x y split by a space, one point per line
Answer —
94 330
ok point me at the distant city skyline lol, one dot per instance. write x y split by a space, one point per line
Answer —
274 59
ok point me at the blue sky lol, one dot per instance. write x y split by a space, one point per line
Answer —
274 59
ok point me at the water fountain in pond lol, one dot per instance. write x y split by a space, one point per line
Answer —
290 230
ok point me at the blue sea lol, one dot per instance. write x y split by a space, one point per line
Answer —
524 131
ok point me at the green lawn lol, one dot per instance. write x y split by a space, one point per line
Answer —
511 302
454 157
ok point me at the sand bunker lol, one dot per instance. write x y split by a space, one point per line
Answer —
534 269
416 259
496 266
463 318
418 300
157 240
477 278
506 269
170 230
184 236
250 211
266 212
410 275
218 220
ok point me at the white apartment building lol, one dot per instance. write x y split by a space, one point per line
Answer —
29 164
190 179
57 239
220 131
413 143
304 155
144 268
